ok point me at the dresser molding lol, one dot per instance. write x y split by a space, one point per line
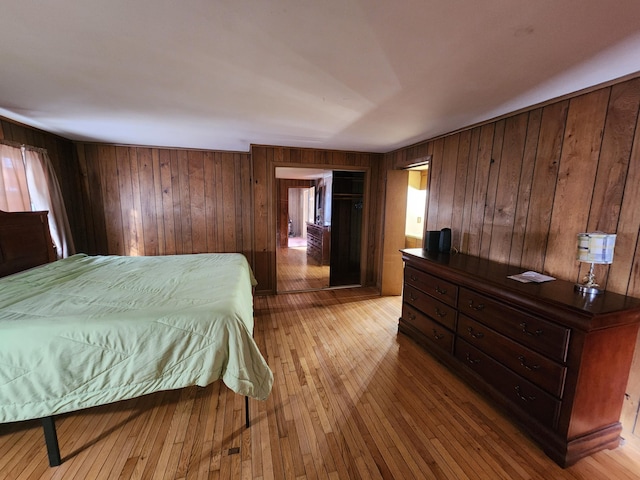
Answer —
555 360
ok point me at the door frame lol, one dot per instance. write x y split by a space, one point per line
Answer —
393 238
273 208
390 256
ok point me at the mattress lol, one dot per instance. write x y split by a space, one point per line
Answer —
91 330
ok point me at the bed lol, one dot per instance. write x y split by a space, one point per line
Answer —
91 330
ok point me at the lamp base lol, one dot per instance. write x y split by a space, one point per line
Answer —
588 289
589 284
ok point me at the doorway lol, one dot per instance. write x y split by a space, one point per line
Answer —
405 213
301 213
319 228
296 269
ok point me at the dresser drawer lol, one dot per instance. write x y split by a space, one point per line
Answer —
431 330
522 393
437 310
540 335
445 291
540 370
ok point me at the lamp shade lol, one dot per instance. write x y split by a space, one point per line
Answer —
596 247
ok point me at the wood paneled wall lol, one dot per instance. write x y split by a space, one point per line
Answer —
519 189
157 201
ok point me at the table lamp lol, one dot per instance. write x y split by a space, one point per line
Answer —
594 248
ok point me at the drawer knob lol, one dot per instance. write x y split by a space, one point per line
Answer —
412 316
441 291
412 297
523 362
413 277
476 335
472 361
478 307
522 396
440 313
537 333
436 335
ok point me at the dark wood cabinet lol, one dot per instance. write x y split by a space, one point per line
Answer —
557 361
319 243
21 241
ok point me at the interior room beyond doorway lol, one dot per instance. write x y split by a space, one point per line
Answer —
318 248
301 194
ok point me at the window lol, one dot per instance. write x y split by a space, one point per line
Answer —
28 182
14 194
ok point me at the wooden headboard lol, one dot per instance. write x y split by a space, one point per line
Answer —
25 241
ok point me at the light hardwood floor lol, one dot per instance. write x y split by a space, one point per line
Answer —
298 272
351 399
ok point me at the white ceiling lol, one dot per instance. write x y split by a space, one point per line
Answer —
364 75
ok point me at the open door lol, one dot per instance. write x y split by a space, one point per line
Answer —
395 211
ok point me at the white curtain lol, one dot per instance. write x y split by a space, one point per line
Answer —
45 194
30 183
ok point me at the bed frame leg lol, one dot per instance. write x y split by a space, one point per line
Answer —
51 439
246 411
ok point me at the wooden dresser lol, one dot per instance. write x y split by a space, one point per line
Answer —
557 361
319 243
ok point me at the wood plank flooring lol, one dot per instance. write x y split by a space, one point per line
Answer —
297 272
351 400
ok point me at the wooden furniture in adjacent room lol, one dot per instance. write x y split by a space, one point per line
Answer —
556 360
319 243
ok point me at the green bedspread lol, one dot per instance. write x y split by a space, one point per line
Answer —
86 331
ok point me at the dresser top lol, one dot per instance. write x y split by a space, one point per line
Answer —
556 297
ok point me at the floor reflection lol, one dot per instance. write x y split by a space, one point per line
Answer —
296 271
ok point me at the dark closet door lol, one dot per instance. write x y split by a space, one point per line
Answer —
346 227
